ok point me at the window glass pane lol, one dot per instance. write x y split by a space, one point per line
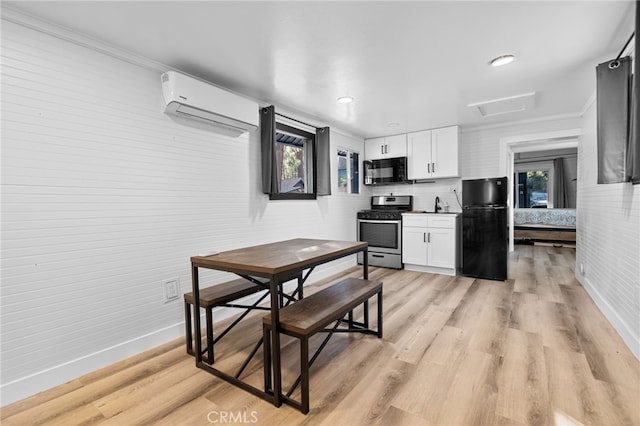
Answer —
291 154
532 189
343 176
348 171
355 173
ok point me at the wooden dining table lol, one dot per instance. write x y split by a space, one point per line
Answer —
277 262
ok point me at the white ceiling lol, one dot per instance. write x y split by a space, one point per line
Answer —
416 63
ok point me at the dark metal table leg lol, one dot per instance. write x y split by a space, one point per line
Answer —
275 342
380 314
266 336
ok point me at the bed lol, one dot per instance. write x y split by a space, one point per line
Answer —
544 225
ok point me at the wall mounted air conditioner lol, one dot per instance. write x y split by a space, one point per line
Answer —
193 99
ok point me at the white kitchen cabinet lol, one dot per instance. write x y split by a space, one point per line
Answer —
386 147
414 245
433 153
429 242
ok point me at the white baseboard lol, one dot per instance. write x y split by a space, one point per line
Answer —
628 336
42 380
430 269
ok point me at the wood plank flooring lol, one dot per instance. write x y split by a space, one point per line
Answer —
456 351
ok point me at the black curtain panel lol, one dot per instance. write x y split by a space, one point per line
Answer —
323 148
267 143
633 154
613 104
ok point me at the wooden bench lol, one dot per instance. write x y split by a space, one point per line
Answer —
211 297
311 315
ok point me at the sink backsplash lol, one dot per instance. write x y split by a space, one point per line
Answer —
424 194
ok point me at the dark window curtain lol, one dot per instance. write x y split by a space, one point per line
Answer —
559 184
267 142
613 79
633 156
324 161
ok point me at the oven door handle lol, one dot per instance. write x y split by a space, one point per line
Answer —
379 221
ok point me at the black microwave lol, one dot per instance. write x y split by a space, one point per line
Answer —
386 171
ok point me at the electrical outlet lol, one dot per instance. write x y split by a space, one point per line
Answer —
171 289
452 189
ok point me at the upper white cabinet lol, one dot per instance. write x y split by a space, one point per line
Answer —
433 153
387 147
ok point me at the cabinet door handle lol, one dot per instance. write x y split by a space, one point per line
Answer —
429 237
381 149
386 149
428 167
433 167
424 237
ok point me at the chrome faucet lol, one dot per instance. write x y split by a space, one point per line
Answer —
437 205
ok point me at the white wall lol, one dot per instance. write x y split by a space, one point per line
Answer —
608 240
104 196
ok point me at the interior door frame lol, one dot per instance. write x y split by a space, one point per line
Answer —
511 145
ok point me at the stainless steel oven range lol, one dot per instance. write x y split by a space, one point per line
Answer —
381 227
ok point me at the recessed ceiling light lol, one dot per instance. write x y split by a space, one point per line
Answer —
345 99
502 60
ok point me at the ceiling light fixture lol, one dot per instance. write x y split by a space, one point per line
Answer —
502 60
345 99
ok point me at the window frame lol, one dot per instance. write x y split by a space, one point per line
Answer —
534 166
311 139
350 182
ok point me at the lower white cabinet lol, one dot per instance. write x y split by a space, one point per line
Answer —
429 242
414 245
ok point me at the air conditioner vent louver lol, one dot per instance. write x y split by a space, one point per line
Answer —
189 98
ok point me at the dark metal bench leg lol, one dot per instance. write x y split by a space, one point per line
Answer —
366 313
210 335
304 372
187 331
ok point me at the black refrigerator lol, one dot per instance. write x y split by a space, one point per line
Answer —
485 236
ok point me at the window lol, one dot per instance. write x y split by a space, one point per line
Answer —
533 185
295 158
348 171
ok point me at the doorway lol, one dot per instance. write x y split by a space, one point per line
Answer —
510 146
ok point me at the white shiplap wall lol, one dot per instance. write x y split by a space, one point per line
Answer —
104 196
608 240
480 147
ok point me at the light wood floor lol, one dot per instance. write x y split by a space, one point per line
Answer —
456 351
